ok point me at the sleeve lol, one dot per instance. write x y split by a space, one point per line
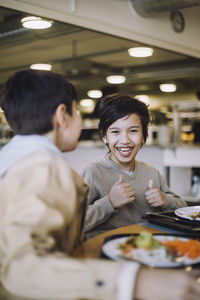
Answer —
39 228
127 281
99 208
52 277
173 201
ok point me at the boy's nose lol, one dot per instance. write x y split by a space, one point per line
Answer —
125 138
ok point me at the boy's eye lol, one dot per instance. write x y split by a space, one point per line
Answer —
133 130
114 131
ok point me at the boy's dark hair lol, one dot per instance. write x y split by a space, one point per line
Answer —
119 105
31 98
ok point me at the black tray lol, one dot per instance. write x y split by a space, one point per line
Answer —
170 220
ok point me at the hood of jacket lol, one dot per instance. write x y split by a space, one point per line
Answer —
20 146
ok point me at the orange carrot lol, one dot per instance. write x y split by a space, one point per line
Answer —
128 249
190 248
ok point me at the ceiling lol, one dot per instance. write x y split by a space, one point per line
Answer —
86 57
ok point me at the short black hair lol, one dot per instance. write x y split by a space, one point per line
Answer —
116 106
31 98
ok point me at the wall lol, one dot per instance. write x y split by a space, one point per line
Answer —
170 162
88 152
118 18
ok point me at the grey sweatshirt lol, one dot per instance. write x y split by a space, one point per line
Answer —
102 175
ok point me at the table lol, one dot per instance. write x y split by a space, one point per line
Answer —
92 247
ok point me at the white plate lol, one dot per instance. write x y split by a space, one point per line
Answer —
157 258
187 212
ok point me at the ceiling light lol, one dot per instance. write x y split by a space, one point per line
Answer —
143 98
45 67
140 51
86 102
35 23
87 105
116 79
95 93
168 87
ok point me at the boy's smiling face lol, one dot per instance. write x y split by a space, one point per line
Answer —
124 138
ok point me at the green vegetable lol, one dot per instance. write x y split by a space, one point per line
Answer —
146 241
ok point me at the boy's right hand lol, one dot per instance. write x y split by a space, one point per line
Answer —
121 193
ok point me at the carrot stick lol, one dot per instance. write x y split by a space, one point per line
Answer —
190 248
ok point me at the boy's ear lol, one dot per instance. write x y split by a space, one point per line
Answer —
60 115
104 138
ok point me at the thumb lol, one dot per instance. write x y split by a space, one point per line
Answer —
150 184
120 179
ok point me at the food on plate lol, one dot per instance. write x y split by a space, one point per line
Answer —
194 215
191 212
190 248
144 240
149 245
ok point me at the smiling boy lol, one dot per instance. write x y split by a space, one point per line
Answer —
123 189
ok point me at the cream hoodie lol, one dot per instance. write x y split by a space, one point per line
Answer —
41 218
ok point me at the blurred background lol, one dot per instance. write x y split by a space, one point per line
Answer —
149 49
88 58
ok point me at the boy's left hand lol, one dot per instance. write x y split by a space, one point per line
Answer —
154 196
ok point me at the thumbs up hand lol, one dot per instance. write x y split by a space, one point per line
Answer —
150 184
154 196
121 193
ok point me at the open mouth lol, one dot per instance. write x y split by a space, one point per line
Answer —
125 151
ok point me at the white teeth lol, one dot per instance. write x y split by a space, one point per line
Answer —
124 149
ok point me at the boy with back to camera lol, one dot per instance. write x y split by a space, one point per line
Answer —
122 188
42 206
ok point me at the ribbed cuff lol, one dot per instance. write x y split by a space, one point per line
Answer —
126 281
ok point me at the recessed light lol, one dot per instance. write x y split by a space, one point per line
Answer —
95 93
35 23
168 87
140 51
116 79
87 105
86 102
45 67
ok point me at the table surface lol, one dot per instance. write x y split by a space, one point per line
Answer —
92 247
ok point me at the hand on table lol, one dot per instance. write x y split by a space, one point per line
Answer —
165 284
121 193
154 196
